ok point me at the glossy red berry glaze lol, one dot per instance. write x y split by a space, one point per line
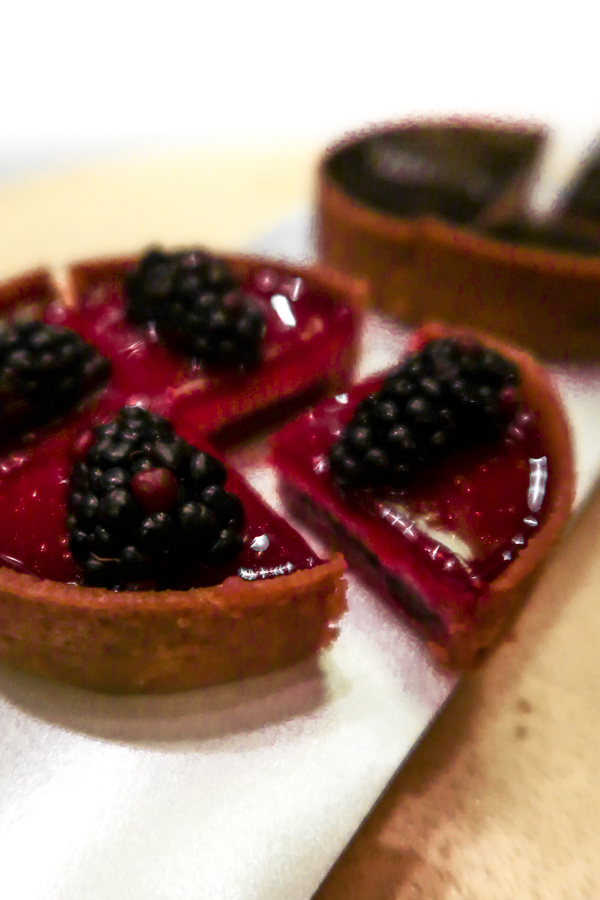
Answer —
308 333
34 485
459 524
307 337
81 444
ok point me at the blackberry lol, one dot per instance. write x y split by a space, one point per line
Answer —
145 506
453 394
44 370
196 306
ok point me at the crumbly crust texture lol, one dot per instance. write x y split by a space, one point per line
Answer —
542 299
155 642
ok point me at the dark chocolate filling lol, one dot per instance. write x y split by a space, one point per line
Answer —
583 198
545 236
451 172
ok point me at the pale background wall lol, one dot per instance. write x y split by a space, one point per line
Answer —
82 81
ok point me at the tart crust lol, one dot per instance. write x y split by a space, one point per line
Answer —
364 242
166 641
157 642
27 294
507 592
425 268
546 300
464 636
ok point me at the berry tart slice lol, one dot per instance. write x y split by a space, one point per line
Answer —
445 481
214 340
133 559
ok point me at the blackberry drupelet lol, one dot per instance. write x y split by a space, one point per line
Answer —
44 370
453 394
145 506
196 306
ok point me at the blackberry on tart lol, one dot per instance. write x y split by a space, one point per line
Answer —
197 307
216 340
445 482
452 394
145 505
45 370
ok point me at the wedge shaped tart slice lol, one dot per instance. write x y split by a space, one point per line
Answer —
214 339
444 481
133 559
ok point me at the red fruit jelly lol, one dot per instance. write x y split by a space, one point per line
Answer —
450 533
33 539
310 339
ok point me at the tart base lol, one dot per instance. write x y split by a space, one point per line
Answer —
454 642
149 642
544 300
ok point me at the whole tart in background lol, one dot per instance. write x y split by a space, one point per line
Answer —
437 217
374 186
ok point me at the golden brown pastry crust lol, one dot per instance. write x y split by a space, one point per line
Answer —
545 300
170 640
28 293
153 642
495 611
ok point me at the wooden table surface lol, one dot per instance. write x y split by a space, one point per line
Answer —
501 799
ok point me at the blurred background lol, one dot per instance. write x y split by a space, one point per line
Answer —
87 81
120 121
